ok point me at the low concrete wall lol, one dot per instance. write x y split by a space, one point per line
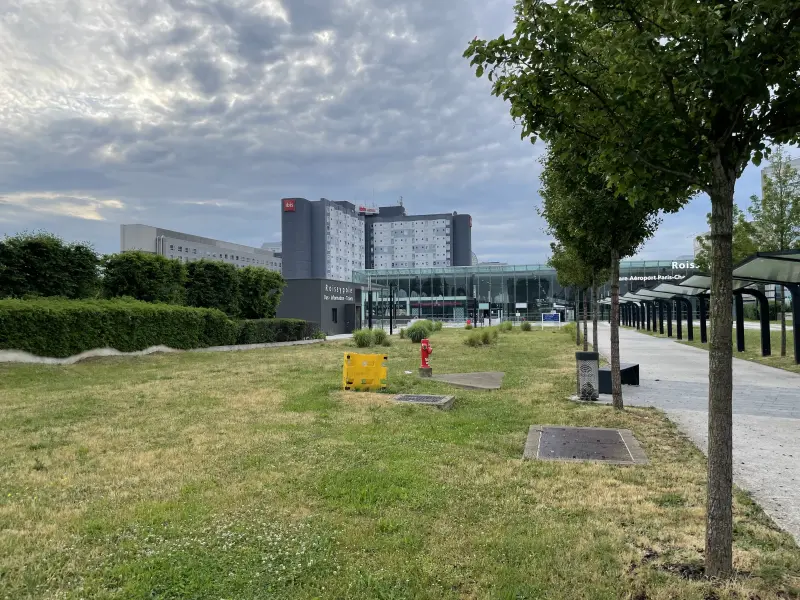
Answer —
18 356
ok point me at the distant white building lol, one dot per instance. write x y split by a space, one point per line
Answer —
187 248
272 247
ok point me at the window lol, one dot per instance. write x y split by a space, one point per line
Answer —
194 250
180 248
172 247
334 315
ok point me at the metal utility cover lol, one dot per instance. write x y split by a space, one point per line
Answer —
614 446
443 402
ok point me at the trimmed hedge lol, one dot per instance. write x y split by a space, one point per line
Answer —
263 331
60 328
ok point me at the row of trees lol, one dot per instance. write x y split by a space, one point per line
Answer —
774 223
41 264
643 104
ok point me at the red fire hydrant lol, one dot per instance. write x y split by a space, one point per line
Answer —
425 351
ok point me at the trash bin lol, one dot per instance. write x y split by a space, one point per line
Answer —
587 364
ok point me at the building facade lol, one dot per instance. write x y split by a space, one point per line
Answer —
328 239
321 240
334 305
397 240
186 247
500 292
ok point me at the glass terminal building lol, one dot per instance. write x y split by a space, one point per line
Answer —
499 292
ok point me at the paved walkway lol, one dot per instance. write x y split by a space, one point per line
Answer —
766 406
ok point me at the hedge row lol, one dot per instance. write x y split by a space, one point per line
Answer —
59 328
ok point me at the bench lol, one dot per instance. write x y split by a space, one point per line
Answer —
629 373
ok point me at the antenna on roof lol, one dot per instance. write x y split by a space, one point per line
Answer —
401 201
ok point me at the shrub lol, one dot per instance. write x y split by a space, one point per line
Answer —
474 339
379 337
213 284
489 335
402 334
59 328
42 264
437 325
506 326
144 276
526 326
263 331
418 332
363 338
468 326
260 292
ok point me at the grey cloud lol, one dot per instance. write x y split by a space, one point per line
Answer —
162 102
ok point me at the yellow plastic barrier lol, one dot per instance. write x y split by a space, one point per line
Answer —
364 372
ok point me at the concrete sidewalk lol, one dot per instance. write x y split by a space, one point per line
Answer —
766 406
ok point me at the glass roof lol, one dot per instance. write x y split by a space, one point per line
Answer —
363 275
771 267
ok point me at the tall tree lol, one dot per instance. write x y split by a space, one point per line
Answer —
144 276
743 241
776 215
585 214
691 90
42 264
572 271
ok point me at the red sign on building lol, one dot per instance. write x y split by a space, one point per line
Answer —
288 205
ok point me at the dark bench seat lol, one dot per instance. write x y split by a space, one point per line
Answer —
629 374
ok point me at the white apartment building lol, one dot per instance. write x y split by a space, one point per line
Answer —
344 242
424 242
187 248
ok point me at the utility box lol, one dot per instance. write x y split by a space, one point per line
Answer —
588 378
365 372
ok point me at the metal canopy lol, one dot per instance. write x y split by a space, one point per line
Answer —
704 282
650 294
679 290
772 267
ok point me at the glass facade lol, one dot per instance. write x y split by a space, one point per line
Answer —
498 292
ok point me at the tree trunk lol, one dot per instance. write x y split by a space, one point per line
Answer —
719 519
595 306
577 318
616 378
585 321
782 306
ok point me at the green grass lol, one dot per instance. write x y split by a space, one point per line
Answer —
249 475
752 344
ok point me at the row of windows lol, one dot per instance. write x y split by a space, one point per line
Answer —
221 256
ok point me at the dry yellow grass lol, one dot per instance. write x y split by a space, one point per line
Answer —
249 475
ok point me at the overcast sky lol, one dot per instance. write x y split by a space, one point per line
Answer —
199 115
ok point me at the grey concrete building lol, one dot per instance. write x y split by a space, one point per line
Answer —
188 248
321 240
329 240
335 305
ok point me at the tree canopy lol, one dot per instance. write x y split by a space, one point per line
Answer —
690 91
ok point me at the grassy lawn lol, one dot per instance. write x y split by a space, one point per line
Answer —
752 344
248 475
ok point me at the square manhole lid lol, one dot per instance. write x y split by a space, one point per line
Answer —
614 446
444 402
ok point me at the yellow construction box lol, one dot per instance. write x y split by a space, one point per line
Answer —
365 372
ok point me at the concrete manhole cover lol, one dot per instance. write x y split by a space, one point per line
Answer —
443 402
614 446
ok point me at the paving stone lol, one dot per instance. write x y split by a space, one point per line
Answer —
491 380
